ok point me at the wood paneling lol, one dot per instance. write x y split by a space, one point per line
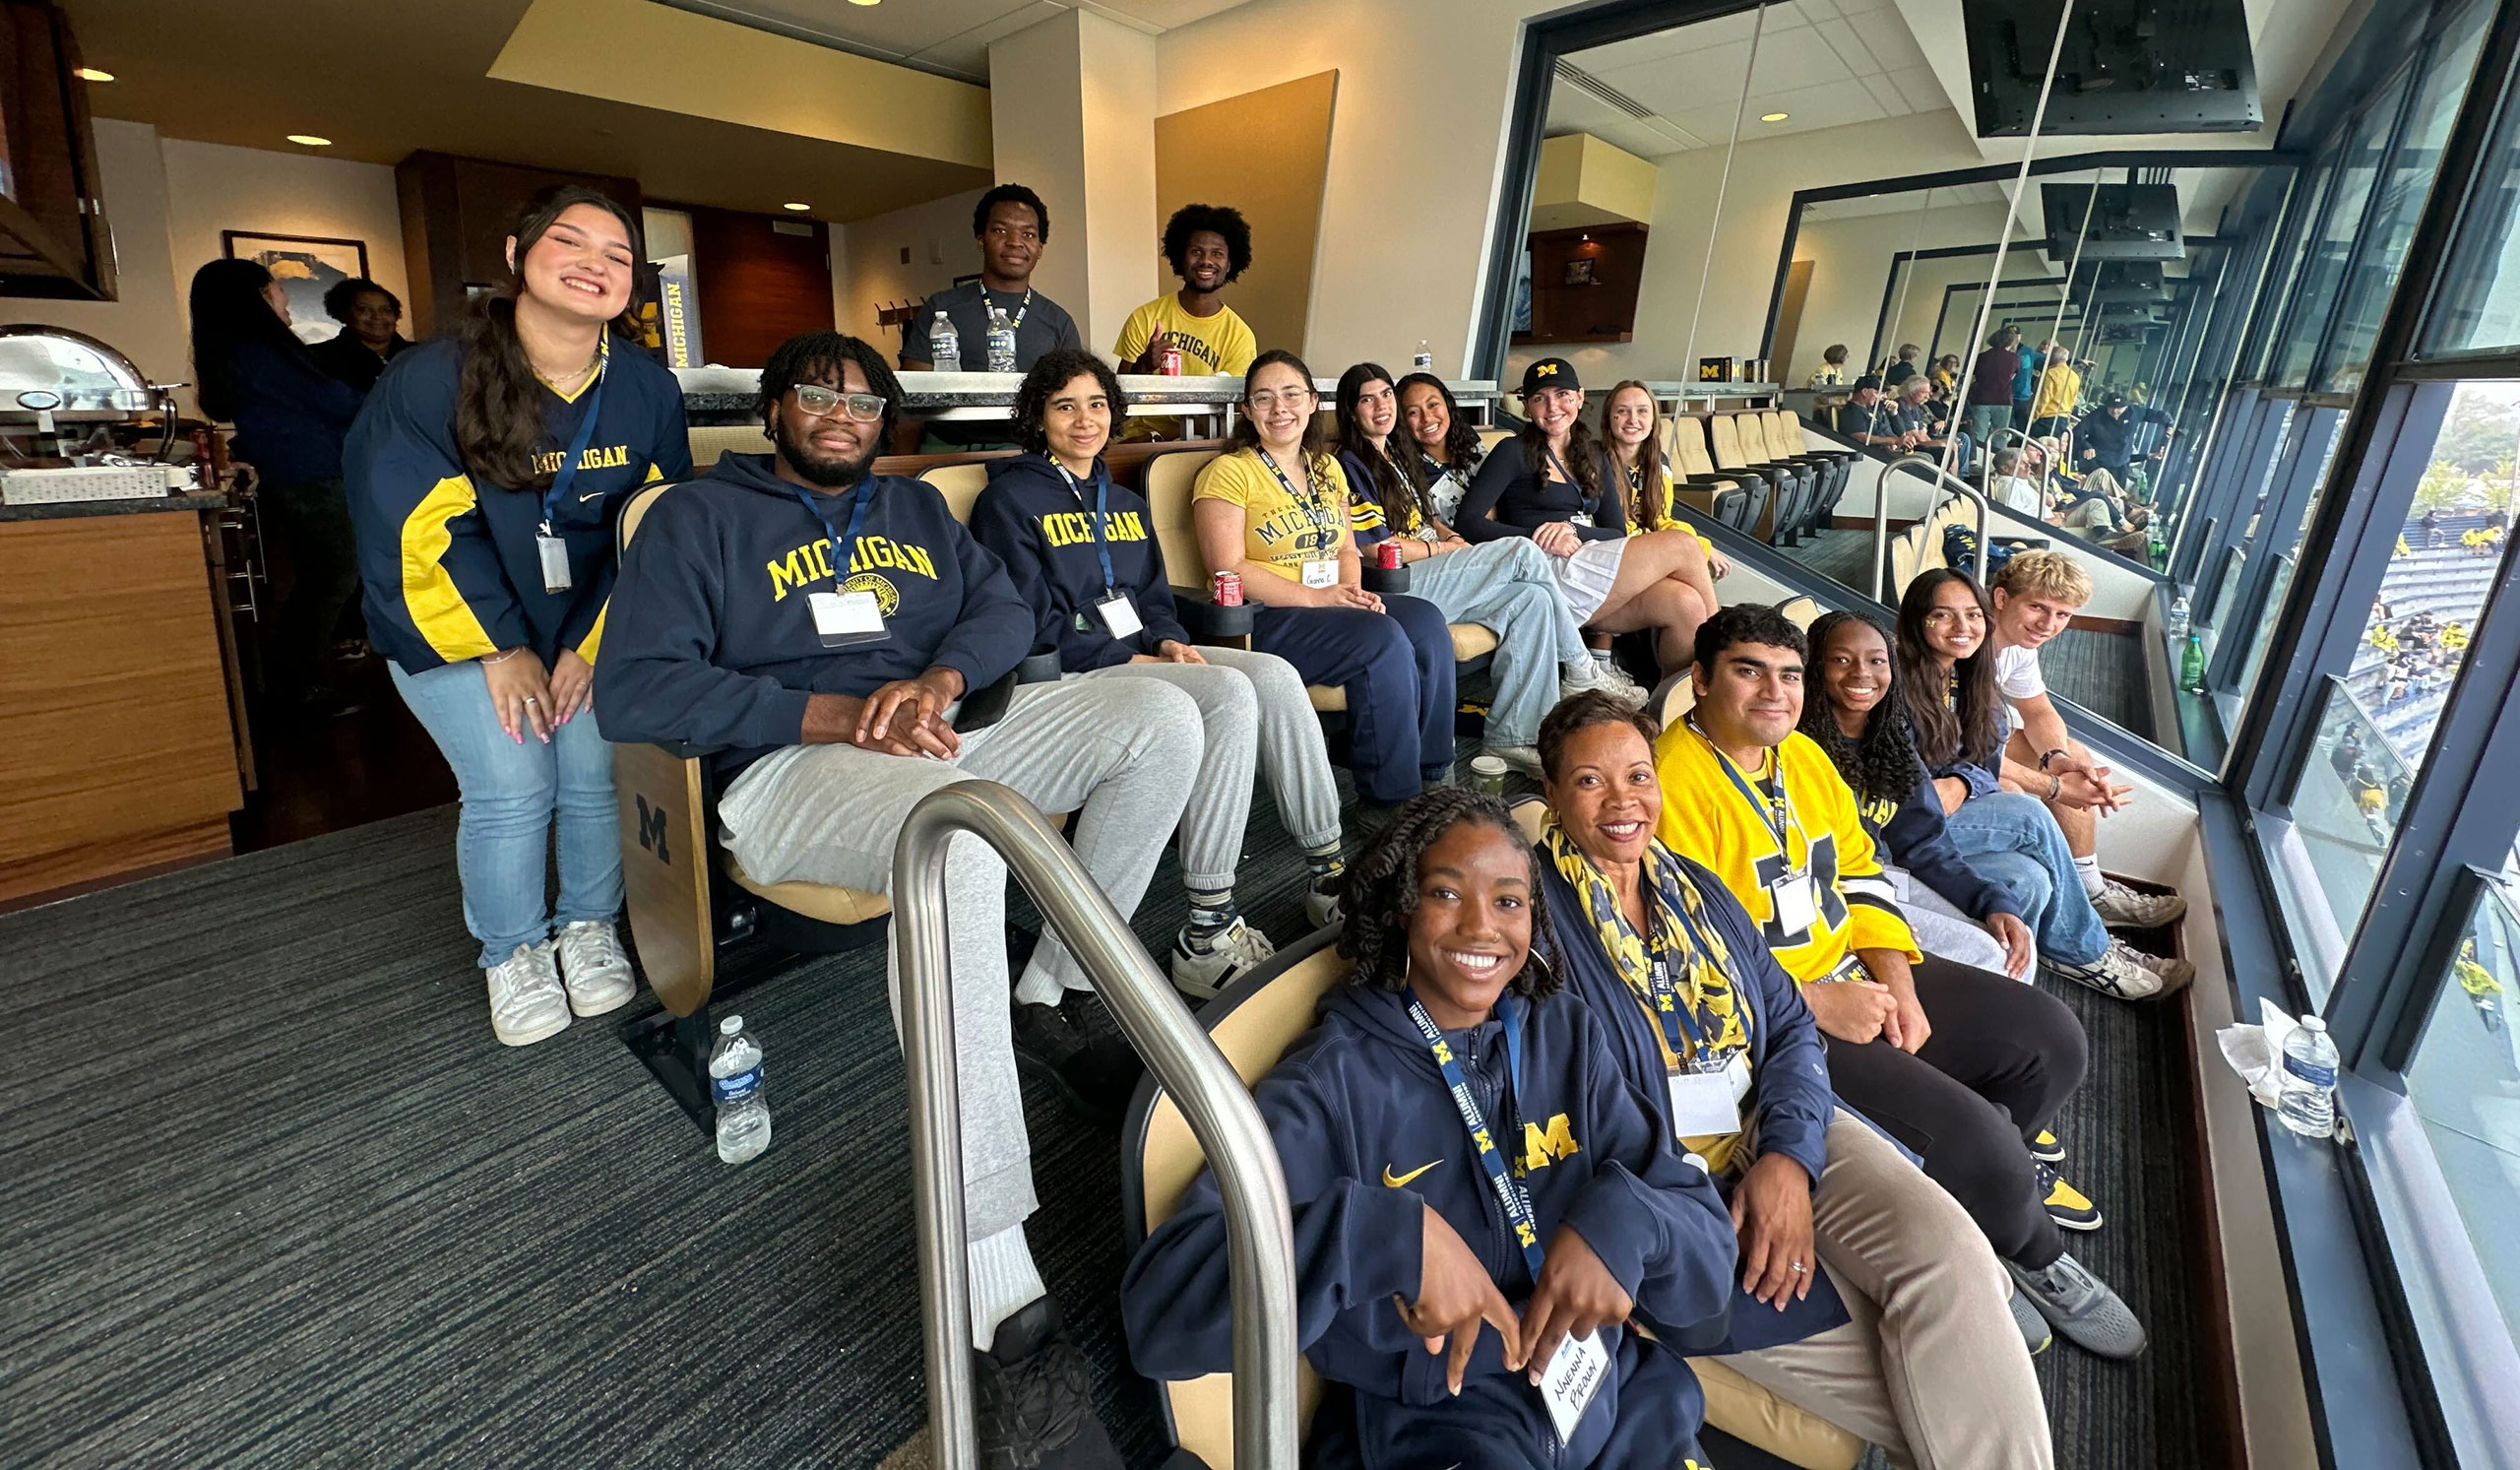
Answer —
113 703
1584 284
760 281
1266 154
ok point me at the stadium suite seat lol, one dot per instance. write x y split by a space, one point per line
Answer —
1253 1022
1736 500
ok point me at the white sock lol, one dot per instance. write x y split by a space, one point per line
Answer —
1004 1281
1038 988
2089 867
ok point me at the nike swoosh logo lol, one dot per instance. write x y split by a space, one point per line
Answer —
1393 1182
596 495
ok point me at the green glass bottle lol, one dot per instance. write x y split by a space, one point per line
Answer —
2192 666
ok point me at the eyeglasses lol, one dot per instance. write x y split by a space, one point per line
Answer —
1293 398
818 402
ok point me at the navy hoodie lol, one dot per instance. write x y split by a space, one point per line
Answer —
1038 526
1368 1136
1916 837
712 639
290 414
1789 1097
1524 499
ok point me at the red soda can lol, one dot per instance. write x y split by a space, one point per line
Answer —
1387 554
1169 362
1227 590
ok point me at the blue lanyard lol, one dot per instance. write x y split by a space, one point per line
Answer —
1515 1201
568 470
1094 525
1776 815
1315 507
865 493
1668 1009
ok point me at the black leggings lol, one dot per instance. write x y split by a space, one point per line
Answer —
2002 1058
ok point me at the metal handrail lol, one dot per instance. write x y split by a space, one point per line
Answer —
1882 514
1995 445
1259 1240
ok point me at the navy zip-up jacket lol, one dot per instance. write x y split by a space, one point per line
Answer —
450 568
292 415
1917 838
1789 1068
714 641
1039 527
1524 499
1368 1136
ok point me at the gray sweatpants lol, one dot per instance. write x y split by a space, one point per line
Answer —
1507 588
1254 709
1120 757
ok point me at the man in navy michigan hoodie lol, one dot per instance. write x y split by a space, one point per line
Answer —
820 625
1480 1200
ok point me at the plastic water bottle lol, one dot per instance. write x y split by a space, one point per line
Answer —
2308 1103
2192 666
735 1085
2178 617
944 346
1425 361
1001 342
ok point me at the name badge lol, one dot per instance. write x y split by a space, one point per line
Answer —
1321 574
1707 1104
1120 616
1797 907
846 618
1575 1373
555 561
1583 518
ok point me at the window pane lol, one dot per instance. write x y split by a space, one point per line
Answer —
2411 171
2318 183
2475 307
2325 271
2378 724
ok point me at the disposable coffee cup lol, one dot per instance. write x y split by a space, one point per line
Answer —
1488 772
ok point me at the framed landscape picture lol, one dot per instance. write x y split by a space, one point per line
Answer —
306 267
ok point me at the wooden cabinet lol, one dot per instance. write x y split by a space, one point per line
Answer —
1584 284
54 240
761 280
456 216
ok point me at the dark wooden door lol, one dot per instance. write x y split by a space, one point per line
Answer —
760 281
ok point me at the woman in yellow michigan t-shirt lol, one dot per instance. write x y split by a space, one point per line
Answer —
1274 510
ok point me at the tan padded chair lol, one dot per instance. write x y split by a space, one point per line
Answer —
1904 553
710 441
665 847
1696 479
1253 1024
1490 438
961 484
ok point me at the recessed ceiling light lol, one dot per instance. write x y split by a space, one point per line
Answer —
1773 116
865 2
799 208
90 74
310 140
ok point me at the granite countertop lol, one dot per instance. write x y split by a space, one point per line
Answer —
728 390
72 509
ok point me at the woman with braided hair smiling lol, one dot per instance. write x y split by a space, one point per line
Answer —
1481 1201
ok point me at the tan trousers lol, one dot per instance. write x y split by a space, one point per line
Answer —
1930 1367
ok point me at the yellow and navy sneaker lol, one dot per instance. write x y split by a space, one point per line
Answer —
2065 1205
2045 1148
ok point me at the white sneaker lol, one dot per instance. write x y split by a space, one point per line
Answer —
1320 905
1204 972
597 973
2119 971
2122 907
1602 674
527 1004
1523 758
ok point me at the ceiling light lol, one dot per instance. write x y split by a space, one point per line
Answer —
90 74
865 2
1773 116
310 140
799 208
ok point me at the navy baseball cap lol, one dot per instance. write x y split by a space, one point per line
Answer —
1549 372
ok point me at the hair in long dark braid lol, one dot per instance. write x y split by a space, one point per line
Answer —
1381 890
1881 763
1976 729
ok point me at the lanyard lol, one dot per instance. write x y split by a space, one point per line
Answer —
865 493
1094 525
1512 1197
1314 505
1669 1008
1016 320
1776 815
1563 473
568 470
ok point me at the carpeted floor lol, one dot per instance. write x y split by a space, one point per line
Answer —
2104 672
1842 556
281 1199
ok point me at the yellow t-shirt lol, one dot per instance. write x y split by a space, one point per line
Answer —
2059 388
1666 521
1278 529
1218 344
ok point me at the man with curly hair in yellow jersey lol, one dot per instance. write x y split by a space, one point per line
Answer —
1960 1065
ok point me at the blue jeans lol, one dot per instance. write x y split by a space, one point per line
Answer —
2010 839
1506 586
510 792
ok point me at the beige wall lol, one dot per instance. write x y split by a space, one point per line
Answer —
868 273
168 200
1265 152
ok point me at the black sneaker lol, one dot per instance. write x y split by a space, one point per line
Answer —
1033 1399
2047 1148
1094 1067
2066 1205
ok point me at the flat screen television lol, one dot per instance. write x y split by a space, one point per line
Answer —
2128 221
2129 66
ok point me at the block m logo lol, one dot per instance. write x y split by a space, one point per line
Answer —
651 831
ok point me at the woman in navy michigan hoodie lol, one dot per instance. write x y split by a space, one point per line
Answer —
1439 1280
